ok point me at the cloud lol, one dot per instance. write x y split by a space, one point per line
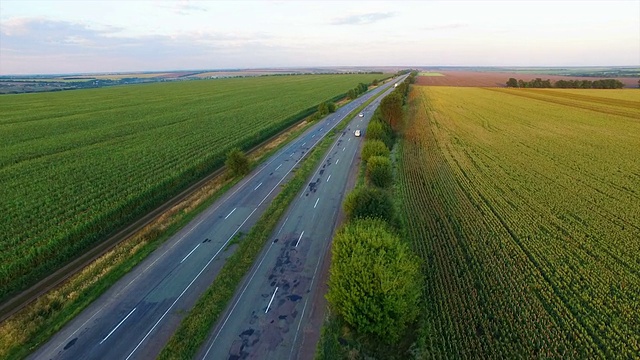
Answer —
36 45
444 27
183 7
362 19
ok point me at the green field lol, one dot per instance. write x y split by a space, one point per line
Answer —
429 73
77 165
525 206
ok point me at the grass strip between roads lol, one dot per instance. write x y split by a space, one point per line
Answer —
196 326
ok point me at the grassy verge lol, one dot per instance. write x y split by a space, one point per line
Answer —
24 331
195 327
329 346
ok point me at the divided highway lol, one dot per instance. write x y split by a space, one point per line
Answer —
136 317
265 320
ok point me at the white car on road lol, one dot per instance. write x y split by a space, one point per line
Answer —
357 133
361 115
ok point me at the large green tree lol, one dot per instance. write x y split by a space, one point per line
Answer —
391 109
374 282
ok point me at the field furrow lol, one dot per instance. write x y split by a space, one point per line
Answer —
528 218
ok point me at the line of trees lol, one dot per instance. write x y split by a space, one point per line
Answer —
375 283
360 89
566 84
325 109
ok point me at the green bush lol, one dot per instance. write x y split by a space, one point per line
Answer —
379 172
374 282
237 162
366 202
374 148
378 130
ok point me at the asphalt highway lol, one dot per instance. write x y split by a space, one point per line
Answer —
266 317
135 318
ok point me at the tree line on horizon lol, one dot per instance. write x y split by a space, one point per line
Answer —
566 84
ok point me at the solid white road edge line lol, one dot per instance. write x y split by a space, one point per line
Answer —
117 326
281 227
293 343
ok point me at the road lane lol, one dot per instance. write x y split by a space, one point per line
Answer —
265 319
136 316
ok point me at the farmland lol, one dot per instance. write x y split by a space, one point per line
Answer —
77 165
525 206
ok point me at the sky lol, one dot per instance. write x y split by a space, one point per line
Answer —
63 37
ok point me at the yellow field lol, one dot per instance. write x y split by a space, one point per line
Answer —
429 73
525 205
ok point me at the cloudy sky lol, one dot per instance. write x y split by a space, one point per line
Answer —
105 36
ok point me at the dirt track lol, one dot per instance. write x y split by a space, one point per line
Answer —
481 79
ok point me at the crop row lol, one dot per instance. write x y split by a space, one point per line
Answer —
531 248
75 166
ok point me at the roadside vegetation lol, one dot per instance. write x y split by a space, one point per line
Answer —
237 162
77 166
524 208
375 284
360 89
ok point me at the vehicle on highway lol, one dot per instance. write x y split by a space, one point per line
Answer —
357 133
361 115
